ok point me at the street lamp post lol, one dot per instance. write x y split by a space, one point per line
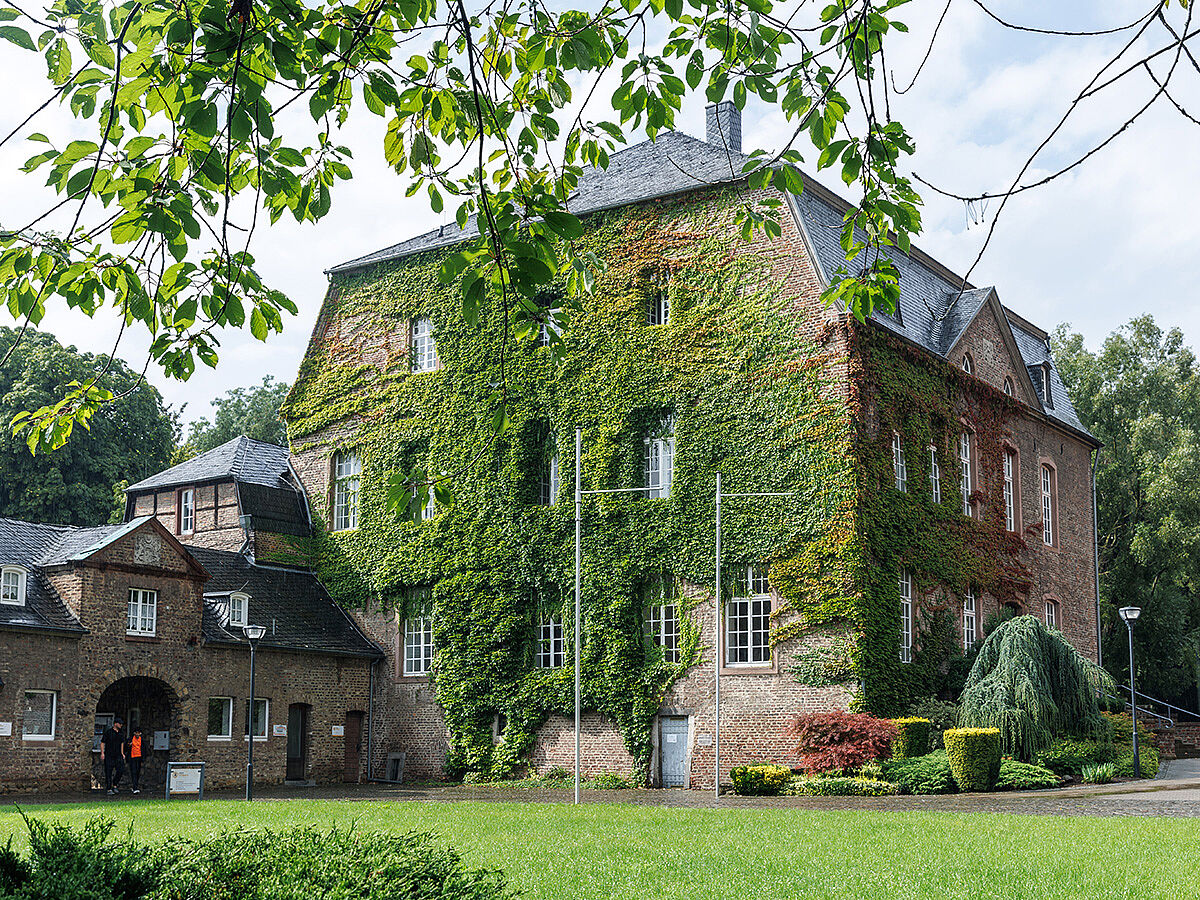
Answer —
1130 615
254 634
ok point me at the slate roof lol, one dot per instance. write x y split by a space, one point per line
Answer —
25 544
293 606
935 307
242 459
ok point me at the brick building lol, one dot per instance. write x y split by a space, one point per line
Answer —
143 621
1011 460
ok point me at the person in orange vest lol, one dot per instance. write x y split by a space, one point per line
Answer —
135 758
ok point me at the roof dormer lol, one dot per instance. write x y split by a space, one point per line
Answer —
13 581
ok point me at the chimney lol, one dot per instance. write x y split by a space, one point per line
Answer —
724 125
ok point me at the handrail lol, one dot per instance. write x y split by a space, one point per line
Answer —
1142 710
1172 707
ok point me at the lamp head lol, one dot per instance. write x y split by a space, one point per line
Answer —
254 633
1130 613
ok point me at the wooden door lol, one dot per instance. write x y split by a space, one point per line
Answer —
297 741
352 770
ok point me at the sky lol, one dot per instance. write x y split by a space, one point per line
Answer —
1111 239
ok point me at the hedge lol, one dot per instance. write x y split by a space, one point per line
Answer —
974 755
929 774
761 780
838 786
912 737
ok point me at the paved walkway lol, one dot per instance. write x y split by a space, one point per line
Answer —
1176 792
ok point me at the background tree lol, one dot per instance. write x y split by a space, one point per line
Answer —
252 411
1140 395
129 438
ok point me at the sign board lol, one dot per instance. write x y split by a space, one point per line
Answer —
185 778
704 739
5 729
339 730
162 740
280 730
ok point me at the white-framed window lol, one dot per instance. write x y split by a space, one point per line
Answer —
551 650
659 460
143 612
261 716
424 348
906 617
429 509
187 511
220 718
13 583
658 301
347 478
1009 387
40 715
970 613
748 621
239 609
965 483
968 364
548 486
418 645
1047 396
899 465
935 475
1052 614
1048 506
1010 490
662 616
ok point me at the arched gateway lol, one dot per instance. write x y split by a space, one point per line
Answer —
144 701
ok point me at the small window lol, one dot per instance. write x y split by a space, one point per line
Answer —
550 329
429 508
41 716
1047 393
662 617
143 612
239 609
261 708
659 460
965 481
1010 490
899 466
970 631
424 348
187 511
418 645
550 647
13 580
1052 614
658 299
906 617
935 476
220 718
968 364
1049 506
548 477
347 479
1009 387
748 621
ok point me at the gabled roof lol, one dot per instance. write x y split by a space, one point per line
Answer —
292 605
24 544
242 460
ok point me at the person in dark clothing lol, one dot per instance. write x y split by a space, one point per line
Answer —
134 754
112 754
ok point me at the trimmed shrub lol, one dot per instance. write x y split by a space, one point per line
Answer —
608 781
1148 757
974 757
760 781
942 714
929 774
839 786
841 740
1100 773
1068 756
1019 776
912 737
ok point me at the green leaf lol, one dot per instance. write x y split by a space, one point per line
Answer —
564 224
18 36
258 324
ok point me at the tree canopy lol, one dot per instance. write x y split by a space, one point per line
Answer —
1140 395
130 438
252 411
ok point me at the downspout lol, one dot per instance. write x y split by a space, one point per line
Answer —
1096 552
371 722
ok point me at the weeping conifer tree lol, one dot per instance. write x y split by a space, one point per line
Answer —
1034 686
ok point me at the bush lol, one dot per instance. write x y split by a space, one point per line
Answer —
1101 773
1148 757
974 757
929 774
760 781
942 714
839 786
83 864
871 770
607 781
912 737
1122 727
14 870
841 740
1068 756
1019 776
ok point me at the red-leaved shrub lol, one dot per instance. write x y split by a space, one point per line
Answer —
840 740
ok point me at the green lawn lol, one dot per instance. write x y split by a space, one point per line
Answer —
612 851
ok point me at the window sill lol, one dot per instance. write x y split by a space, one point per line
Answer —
412 677
218 738
257 740
750 669
39 738
141 638
12 602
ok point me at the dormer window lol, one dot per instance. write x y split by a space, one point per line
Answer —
239 609
1047 397
12 585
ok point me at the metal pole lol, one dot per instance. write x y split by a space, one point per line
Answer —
1137 764
717 657
250 733
578 557
1096 555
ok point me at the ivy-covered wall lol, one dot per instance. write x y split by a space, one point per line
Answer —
744 368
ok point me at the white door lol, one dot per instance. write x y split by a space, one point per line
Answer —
673 747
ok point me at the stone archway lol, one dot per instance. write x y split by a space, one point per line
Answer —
148 702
